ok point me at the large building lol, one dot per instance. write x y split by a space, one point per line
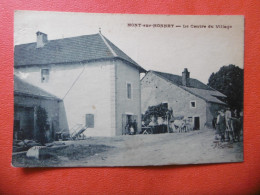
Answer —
186 96
98 84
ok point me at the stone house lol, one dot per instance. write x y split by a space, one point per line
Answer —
97 82
186 96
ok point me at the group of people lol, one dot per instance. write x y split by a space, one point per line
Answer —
228 125
131 128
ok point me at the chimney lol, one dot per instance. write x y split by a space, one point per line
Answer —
42 39
186 77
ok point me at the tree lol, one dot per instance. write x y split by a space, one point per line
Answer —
41 122
229 81
160 110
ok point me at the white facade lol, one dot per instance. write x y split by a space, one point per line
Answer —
90 88
127 106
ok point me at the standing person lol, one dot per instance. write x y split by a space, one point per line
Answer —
236 113
135 126
214 121
229 130
131 130
221 125
127 127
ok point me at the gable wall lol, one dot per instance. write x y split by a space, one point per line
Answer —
89 89
127 74
156 90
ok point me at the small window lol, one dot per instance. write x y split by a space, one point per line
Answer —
90 120
45 75
193 104
129 91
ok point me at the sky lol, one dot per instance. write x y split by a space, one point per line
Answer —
160 46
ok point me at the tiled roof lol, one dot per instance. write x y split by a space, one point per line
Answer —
177 80
24 88
208 95
195 87
69 50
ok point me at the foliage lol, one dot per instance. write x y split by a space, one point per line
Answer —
160 110
229 81
41 121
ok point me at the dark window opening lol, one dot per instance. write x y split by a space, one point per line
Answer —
129 91
193 104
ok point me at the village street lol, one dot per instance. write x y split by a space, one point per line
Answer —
157 149
194 147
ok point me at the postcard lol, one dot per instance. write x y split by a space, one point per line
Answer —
101 90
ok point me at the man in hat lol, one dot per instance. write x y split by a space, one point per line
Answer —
221 124
229 129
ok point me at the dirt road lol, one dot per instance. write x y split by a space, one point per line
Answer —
178 148
160 149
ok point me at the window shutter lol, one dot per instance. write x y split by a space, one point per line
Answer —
90 120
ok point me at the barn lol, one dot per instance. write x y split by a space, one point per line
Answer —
98 84
187 97
27 99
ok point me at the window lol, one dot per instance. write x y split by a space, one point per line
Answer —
193 104
45 75
90 120
129 91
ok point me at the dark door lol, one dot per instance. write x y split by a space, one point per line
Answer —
24 122
127 122
196 123
28 123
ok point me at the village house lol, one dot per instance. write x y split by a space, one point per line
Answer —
27 99
97 83
186 96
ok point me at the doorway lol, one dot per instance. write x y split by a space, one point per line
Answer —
24 122
128 121
196 123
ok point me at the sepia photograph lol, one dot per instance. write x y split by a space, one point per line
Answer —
105 90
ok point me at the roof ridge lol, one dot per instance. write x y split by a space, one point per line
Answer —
70 50
166 73
202 85
58 39
168 80
107 44
189 78
156 72
187 89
